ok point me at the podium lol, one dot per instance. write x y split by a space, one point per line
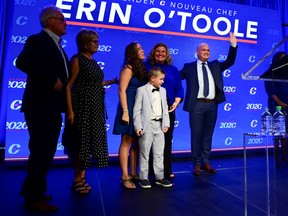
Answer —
277 72
265 183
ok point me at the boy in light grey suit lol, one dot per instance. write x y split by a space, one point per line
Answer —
151 121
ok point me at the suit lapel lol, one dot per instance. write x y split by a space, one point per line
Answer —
162 97
52 44
149 93
195 72
211 68
54 49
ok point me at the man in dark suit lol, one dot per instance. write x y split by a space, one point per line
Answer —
46 65
204 83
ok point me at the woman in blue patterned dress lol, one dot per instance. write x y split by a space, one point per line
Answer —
85 129
132 76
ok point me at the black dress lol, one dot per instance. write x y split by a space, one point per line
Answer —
87 136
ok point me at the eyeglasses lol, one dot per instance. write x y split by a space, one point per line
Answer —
63 20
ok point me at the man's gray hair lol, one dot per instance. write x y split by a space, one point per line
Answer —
46 13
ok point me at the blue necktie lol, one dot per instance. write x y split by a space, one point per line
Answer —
205 80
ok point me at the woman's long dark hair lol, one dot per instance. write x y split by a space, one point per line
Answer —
131 58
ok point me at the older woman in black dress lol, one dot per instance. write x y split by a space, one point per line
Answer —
85 130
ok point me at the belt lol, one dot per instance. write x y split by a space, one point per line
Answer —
205 100
160 119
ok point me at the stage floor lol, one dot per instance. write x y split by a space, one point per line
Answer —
221 194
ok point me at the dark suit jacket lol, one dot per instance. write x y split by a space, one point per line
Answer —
189 72
43 63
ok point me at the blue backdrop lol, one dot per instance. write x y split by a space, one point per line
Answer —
181 24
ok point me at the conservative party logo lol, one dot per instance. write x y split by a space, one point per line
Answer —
227 73
101 64
176 124
254 123
253 90
227 107
107 126
16 105
14 149
228 141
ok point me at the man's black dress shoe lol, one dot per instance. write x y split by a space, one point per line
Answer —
40 206
208 168
196 170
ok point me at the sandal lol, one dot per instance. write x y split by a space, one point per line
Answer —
172 175
127 184
85 184
78 188
134 178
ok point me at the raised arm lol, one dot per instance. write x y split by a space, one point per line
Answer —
232 39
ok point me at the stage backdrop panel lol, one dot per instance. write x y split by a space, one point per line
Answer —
181 24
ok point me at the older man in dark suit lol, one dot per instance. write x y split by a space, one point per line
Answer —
204 82
46 65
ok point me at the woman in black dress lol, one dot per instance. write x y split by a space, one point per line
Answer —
85 131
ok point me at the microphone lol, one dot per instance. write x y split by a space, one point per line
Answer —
284 24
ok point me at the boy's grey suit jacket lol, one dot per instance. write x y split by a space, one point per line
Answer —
143 108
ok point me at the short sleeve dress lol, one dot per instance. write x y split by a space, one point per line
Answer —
119 126
87 136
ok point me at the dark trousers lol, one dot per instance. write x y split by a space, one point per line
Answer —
168 146
202 122
44 132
